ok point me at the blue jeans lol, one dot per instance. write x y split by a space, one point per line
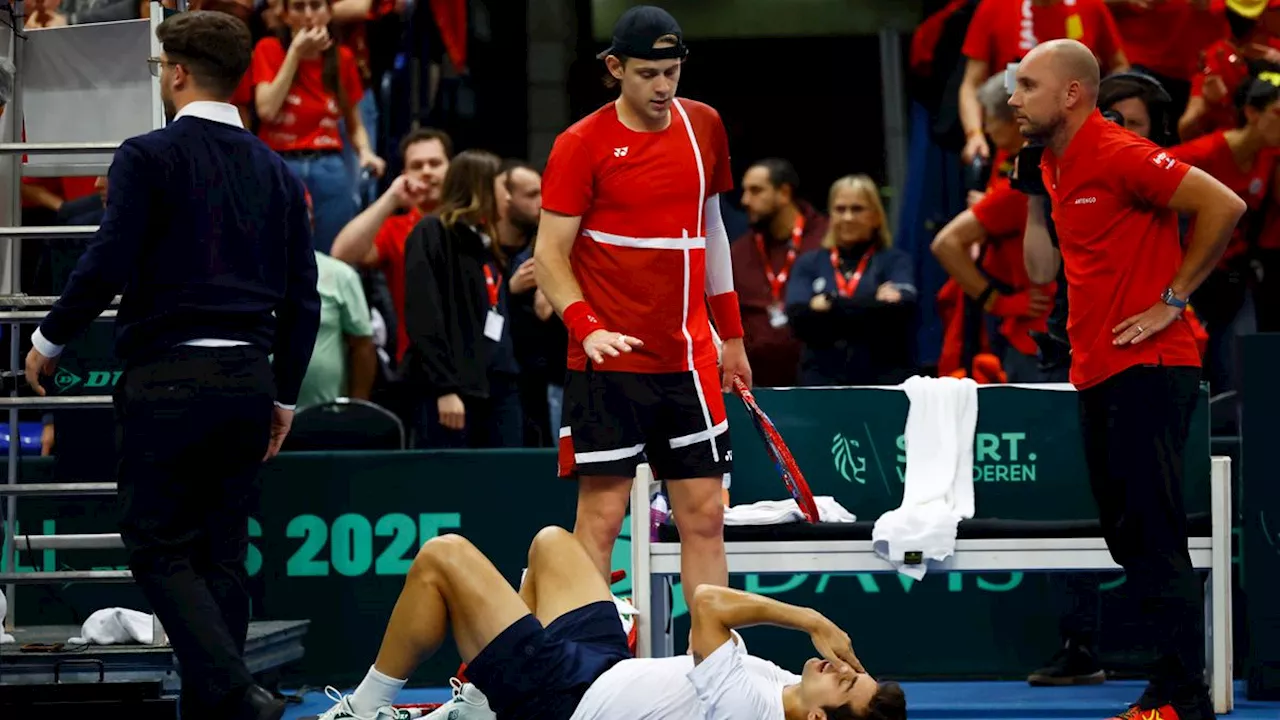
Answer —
364 187
329 181
555 408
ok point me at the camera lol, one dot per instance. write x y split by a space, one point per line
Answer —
1027 180
977 174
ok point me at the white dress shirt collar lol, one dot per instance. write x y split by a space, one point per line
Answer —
209 110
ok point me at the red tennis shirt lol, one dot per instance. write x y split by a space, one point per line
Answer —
1120 246
640 254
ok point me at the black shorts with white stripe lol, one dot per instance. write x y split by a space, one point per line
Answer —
613 421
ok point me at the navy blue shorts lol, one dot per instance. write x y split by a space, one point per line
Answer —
536 673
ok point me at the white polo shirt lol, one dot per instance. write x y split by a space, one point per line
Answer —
727 685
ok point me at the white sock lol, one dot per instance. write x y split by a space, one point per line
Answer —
374 692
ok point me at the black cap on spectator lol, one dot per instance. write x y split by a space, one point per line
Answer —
639 28
1261 89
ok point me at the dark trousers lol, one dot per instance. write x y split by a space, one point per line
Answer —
493 422
193 428
1078 603
1135 427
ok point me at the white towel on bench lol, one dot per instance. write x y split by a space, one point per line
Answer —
778 512
115 626
938 490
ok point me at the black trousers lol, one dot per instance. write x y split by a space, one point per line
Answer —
1135 428
493 422
192 428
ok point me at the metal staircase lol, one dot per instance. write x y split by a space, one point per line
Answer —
270 644
20 312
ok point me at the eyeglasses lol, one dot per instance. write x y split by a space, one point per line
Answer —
157 65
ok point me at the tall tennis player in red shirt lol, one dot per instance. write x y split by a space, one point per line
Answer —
631 250
1116 199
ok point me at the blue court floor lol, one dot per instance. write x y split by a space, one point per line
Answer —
968 700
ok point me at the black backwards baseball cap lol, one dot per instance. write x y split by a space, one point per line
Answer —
639 28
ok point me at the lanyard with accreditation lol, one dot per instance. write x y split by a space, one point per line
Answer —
493 321
778 280
846 286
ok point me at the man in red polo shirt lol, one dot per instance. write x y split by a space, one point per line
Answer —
1115 199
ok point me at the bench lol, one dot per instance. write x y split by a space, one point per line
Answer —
983 545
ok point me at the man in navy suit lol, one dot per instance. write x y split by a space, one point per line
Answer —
207 234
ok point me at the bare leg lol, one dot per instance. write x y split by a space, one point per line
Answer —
560 575
602 504
698 507
451 584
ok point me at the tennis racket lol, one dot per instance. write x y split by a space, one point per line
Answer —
778 452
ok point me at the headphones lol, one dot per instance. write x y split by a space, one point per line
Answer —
1135 84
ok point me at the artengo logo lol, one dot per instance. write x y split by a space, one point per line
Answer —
1085 201
65 380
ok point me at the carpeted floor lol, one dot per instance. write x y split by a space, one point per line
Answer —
968 700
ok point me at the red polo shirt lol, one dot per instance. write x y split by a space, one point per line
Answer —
1119 244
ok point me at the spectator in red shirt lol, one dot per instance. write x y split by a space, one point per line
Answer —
374 240
304 84
1226 64
631 251
999 285
1243 159
1164 39
783 227
1135 363
1002 31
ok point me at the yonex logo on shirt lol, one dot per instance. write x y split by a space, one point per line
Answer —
1163 160
620 152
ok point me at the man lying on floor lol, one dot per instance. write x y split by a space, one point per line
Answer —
556 650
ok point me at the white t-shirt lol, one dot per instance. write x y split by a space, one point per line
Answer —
727 685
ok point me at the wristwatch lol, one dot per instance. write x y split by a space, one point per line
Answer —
1173 300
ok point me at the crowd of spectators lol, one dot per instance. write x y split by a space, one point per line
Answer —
414 236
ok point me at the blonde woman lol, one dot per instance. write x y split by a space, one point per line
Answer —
460 358
852 303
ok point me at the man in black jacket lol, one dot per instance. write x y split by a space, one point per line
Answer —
208 234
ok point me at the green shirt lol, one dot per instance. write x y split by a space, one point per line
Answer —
343 313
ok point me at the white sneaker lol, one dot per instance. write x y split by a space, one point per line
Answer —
342 710
468 703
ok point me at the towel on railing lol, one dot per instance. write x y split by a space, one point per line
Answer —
4 609
938 490
115 626
779 512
